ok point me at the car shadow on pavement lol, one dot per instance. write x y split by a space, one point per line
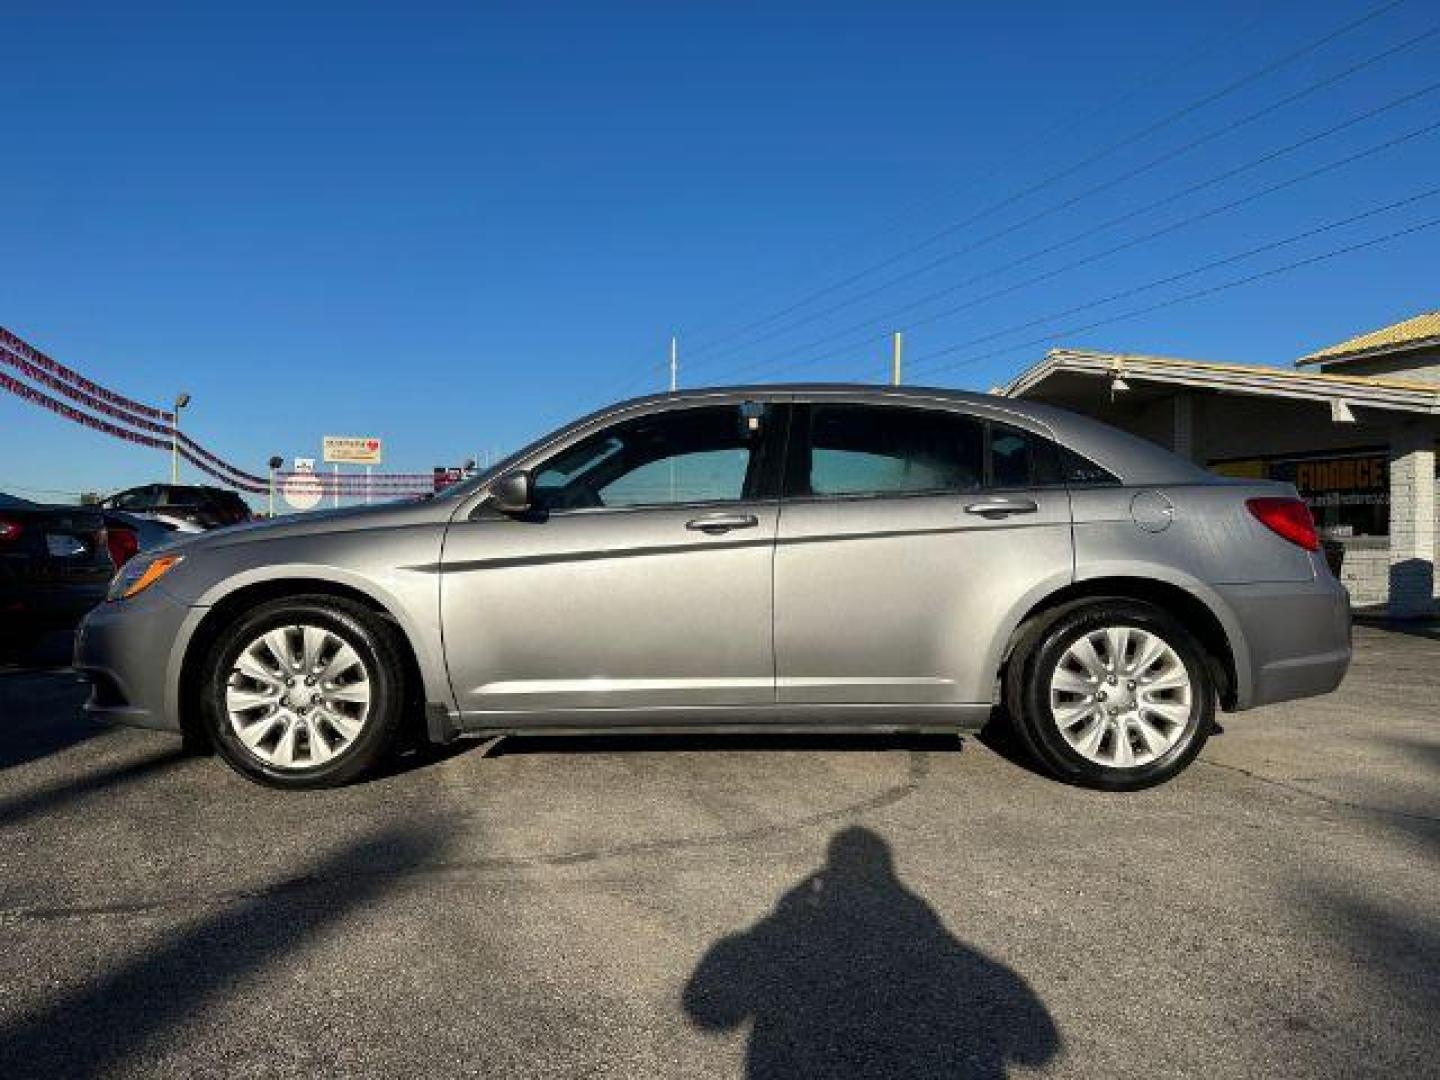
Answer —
96 1027
702 742
1421 628
419 756
854 975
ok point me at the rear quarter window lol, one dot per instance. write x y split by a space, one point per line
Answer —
1076 470
1025 459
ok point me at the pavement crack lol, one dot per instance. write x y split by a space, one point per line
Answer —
1320 796
917 770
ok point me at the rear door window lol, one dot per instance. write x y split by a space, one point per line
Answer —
1014 457
876 450
855 450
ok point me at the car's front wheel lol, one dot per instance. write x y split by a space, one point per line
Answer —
1114 694
304 692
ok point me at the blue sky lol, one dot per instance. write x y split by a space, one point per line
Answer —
455 225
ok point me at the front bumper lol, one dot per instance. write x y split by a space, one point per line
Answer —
131 652
1297 637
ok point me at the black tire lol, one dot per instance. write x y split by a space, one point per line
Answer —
1039 650
371 636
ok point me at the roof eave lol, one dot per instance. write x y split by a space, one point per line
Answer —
1371 353
1232 379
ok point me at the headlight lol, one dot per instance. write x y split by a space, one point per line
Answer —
139 574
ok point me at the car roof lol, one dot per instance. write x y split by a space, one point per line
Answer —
1133 459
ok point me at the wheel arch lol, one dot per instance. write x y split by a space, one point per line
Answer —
1206 617
224 611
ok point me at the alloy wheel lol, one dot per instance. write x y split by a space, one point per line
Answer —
298 696
1121 696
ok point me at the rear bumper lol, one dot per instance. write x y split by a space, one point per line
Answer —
1297 637
26 604
128 652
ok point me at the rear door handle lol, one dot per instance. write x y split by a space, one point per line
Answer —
1002 506
715 524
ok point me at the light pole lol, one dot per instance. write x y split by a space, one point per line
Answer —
275 463
181 400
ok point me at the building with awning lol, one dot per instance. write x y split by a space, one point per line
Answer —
1353 426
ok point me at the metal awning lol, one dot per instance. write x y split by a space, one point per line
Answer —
1062 366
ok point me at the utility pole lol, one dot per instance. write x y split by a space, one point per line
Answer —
181 401
275 463
895 360
674 385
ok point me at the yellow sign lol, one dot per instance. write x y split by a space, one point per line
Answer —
1251 469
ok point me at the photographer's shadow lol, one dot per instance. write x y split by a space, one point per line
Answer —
853 975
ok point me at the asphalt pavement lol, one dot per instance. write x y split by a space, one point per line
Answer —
731 908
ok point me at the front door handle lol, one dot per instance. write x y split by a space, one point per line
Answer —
715 524
1001 506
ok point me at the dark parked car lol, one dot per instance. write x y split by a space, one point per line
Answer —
179 504
148 534
55 564
804 557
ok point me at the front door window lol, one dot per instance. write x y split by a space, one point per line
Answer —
678 457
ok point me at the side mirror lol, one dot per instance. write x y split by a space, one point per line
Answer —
513 493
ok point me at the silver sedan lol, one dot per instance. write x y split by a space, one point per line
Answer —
781 558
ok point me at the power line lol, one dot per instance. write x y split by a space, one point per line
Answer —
1065 204
1041 140
1206 267
1184 297
1214 211
1192 272
1053 178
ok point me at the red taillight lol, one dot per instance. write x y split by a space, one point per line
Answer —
123 544
9 530
1289 518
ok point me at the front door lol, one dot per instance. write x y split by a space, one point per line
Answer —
907 536
643 580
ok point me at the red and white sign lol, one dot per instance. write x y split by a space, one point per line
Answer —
302 490
446 475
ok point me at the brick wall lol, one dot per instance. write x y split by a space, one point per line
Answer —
1365 570
1412 521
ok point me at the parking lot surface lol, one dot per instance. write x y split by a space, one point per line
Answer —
710 908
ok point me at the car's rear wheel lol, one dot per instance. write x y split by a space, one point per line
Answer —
304 692
1114 694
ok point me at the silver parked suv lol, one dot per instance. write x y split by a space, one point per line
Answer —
782 558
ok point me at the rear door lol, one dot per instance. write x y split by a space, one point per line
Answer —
907 535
